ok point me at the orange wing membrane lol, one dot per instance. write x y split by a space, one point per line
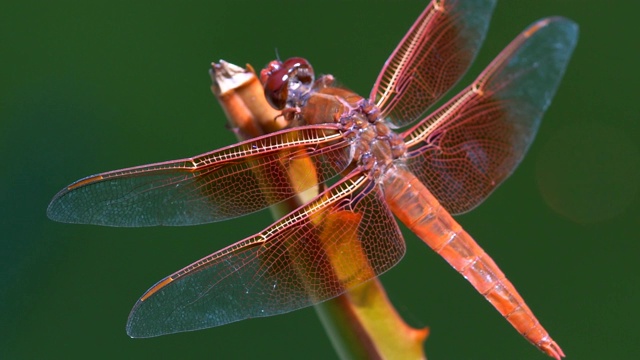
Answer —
218 185
302 259
465 149
431 58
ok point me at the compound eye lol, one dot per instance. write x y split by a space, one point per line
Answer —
286 81
276 88
300 72
269 69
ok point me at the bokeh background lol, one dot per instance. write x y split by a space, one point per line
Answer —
87 87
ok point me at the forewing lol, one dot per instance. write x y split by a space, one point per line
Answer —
431 58
466 148
340 239
218 185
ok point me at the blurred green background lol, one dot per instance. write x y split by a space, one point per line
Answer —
87 87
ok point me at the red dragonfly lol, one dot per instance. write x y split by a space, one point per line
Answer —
447 163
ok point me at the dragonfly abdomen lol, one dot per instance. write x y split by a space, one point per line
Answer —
419 210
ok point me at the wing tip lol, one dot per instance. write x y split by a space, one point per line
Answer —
567 27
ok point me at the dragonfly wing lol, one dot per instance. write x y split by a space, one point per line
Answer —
218 185
431 58
465 149
342 238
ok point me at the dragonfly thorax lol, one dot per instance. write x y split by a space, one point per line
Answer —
375 146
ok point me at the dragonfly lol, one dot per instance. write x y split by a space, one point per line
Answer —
445 164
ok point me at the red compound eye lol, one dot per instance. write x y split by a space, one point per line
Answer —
269 69
295 74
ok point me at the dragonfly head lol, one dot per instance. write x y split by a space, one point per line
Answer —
285 82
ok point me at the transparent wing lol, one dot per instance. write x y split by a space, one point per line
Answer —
218 185
340 239
464 150
431 58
